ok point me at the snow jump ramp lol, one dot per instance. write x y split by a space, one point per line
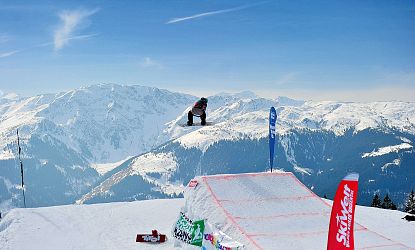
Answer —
267 211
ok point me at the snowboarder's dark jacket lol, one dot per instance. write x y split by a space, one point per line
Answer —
199 107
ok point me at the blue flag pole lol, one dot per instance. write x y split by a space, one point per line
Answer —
272 120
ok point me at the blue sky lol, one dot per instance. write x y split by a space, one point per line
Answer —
337 50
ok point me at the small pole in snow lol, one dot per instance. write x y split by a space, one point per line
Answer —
21 167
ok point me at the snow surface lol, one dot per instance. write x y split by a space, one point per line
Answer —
111 121
4 155
244 126
114 121
103 168
101 226
279 218
163 164
387 150
248 118
387 223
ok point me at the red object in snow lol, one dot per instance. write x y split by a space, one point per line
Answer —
192 183
154 237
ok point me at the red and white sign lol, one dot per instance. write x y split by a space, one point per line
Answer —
342 214
154 237
192 184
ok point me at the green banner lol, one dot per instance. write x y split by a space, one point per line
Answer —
197 233
189 231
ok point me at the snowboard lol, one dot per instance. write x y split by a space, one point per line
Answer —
197 124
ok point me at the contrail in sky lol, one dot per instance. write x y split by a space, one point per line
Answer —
211 13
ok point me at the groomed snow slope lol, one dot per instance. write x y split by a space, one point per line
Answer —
294 214
271 211
100 226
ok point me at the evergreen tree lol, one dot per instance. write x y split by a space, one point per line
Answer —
410 203
388 204
376 202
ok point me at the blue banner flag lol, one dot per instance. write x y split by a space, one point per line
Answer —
272 120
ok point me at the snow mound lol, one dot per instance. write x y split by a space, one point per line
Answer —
269 211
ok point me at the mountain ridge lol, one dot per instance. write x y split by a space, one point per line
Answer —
106 123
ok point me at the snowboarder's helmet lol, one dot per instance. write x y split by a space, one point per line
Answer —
205 100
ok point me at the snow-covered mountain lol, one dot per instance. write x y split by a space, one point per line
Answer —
65 136
319 141
115 143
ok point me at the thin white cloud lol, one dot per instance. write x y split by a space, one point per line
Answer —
4 38
7 54
70 21
80 37
211 13
150 63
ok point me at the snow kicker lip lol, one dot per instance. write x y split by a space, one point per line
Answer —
270 211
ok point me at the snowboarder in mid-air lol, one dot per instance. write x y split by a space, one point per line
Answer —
199 110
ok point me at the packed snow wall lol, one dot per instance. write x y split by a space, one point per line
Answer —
259 211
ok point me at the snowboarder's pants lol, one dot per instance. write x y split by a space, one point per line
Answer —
190 118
